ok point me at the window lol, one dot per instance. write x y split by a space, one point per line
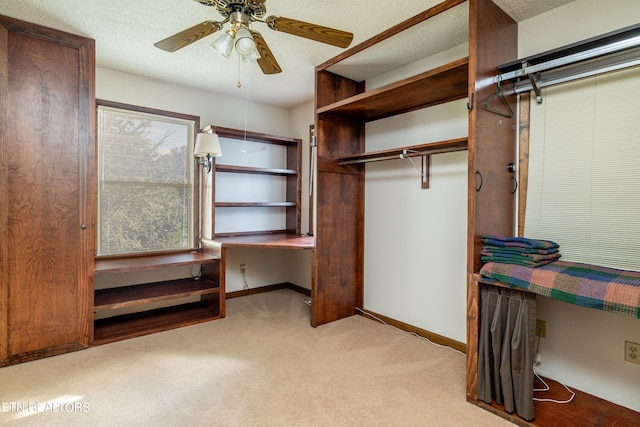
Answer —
583 187
146 189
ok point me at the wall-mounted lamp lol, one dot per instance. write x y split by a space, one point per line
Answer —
207 145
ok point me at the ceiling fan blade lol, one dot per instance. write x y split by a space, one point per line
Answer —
188 36
267 61
310 31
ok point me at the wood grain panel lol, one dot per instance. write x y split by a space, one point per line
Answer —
48 143
442 84
339 248
332 88
523 161
491 137
338 264
4 194
493 40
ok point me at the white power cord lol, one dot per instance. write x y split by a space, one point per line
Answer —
547 388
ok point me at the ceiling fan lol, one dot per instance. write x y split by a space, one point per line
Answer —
249 43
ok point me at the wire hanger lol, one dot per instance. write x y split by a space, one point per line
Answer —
498 93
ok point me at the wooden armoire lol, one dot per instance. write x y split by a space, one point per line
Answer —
47 218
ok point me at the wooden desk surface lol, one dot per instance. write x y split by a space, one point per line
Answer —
281 241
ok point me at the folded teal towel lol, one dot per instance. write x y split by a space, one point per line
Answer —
524 261
518 242
499 253
517 250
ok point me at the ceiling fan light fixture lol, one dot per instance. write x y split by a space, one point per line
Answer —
250 44
252 57
245 44
224 44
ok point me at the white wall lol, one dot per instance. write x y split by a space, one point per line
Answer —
415 239
213 109
585 347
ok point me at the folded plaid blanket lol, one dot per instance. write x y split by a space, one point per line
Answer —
518 251
607 289
488 251
518 242
524 261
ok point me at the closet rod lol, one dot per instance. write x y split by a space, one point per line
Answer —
612 62
388 157
624 39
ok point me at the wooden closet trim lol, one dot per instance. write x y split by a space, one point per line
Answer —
523 159
4 198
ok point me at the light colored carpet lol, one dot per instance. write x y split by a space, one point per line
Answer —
261 366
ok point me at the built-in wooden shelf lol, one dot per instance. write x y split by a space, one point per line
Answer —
256 171
437 86
137 297
279 240
447 146
255 204
129 296
142 323
289 171
124 265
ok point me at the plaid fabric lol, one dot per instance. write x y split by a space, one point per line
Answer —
518 250
518 242
608 289
520 260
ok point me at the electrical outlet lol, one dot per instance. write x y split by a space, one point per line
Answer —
541 328
632 352
243 268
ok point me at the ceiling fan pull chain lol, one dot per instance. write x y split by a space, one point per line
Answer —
239 84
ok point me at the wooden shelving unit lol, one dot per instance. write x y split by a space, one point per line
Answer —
291 174
443 84
343 108
129 296
137 324
144 321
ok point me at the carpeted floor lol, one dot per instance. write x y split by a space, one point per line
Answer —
261 366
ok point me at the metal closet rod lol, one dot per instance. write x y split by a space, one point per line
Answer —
613 62
624 39
405 154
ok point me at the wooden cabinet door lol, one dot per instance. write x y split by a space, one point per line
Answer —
46 191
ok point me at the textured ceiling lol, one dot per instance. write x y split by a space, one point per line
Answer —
125 31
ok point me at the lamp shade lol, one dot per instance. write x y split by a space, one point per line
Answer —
224 44
207 143
244 42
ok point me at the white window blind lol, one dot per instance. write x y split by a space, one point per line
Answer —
145 182
584 170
